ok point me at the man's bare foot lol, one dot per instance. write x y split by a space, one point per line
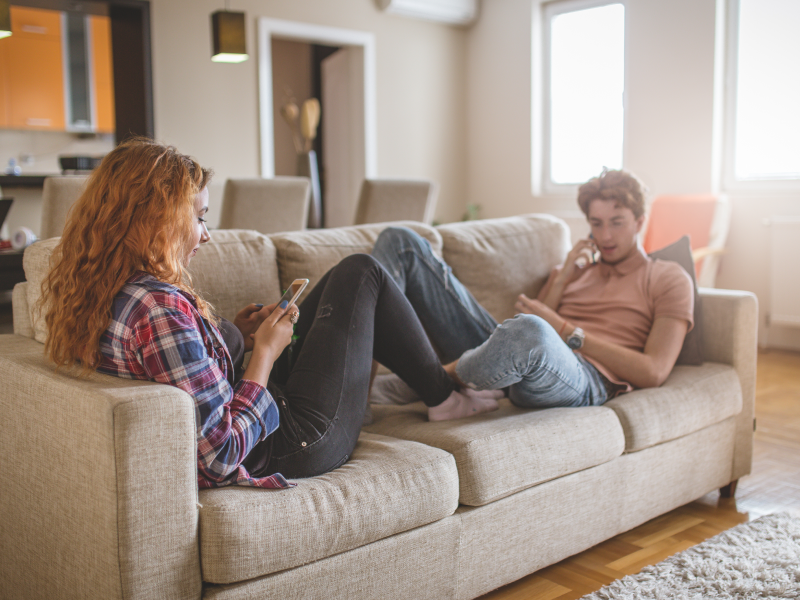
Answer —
459 405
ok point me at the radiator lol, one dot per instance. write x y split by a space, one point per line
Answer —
784 306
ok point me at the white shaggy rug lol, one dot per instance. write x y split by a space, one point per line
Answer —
759 559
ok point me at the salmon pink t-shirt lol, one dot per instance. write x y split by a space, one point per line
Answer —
619 303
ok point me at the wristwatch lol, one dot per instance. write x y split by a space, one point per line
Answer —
576 338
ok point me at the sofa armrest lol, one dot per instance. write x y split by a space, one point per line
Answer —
730 336
99 488
19 307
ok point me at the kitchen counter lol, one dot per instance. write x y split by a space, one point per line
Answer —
29 181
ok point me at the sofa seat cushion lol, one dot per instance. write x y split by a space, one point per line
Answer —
388 486
511 449
690 399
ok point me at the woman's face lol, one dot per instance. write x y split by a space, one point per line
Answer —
200 233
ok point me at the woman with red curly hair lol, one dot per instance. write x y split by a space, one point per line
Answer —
119 300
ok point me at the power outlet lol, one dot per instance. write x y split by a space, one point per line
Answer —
27 160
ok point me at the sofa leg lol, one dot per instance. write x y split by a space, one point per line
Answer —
728 491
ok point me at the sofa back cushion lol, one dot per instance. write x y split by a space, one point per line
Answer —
498 259
311 253
236 268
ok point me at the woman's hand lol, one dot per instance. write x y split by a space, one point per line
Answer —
275 331
249 319
528 306
268 341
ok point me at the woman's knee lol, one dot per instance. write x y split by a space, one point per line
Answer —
358 263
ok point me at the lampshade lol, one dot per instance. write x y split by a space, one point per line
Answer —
227 32
5 19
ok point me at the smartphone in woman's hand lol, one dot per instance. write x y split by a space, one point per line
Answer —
293 293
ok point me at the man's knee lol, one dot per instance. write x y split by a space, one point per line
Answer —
526 326
396 239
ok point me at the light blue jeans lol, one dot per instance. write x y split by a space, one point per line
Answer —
523 354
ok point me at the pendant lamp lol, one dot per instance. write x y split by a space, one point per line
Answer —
5 18
227 32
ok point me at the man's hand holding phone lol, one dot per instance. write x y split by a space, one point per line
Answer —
582 254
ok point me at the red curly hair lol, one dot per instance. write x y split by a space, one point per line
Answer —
621 186
136 214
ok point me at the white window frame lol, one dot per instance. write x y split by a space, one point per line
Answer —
550 11
731 58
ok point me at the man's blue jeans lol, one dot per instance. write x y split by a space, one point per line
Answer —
523 354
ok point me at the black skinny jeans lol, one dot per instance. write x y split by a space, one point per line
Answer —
354 314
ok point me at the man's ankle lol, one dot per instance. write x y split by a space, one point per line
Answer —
450 369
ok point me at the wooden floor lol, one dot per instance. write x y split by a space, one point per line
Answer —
773 486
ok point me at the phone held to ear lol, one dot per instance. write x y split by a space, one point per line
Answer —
293 293
592 258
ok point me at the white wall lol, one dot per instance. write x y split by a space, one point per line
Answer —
499 109
747 264
670 94
210 110
669 136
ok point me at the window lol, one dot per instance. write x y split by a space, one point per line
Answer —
584 84
763 92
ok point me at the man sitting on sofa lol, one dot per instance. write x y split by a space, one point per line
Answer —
598 327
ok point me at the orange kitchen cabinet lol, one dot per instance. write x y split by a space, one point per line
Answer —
35 23
100 31
34 70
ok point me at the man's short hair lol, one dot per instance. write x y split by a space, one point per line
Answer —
621 186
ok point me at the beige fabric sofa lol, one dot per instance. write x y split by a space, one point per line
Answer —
98 494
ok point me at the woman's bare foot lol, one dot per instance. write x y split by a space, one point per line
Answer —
488 397
460 404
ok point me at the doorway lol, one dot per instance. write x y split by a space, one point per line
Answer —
341 74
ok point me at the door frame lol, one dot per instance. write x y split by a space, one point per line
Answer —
319 34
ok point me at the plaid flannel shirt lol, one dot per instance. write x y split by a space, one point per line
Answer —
156 333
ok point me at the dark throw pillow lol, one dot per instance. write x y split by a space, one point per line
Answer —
681 253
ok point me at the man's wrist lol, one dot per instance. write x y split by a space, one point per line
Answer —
576 338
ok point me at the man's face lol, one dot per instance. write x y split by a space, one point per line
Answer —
614 229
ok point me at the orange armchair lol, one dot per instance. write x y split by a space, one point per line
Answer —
704 218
